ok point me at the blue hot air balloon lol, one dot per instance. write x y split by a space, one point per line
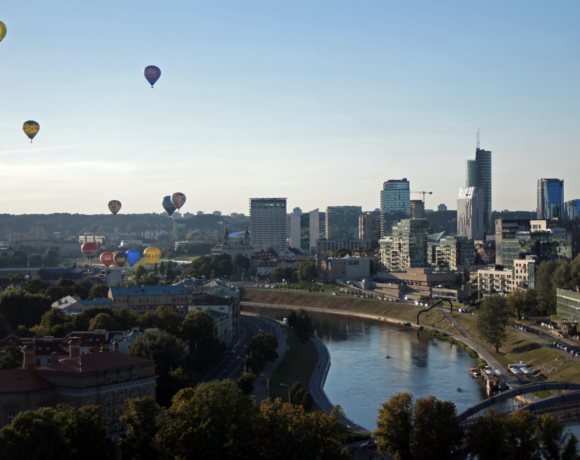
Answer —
152 74
133 257
168 205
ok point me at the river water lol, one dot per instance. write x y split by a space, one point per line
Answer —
361 377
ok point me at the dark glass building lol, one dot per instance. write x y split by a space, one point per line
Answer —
395 204
550 199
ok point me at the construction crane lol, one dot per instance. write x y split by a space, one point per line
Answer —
424 193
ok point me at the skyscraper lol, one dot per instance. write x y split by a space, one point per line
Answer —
369 225
571 210
478 174
342 222
417 209
550 199
470 213
395 204
268 223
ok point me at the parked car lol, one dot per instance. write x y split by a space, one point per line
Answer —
369 445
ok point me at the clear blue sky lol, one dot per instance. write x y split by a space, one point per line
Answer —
318 101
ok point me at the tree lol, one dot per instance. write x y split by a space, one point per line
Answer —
555 445
167 351
36 286
488 439
521 436
141 422
140 273
337 413
199 329
395 426
246 382
307 271
517 302
341 252
494 317
170 274
272 251
19 307
163 318
98 291
10 358
242 262
86 432
212 421
51 257
301 323
104 321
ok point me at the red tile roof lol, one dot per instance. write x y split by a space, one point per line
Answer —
43 347
22 381
93 362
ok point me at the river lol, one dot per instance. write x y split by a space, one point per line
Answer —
361 376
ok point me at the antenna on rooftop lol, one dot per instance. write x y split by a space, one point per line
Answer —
477 139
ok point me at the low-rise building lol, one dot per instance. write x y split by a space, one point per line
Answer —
91 238
568 304
266 267
223 301
346 268
324 245
143 299
495 280
70 305
453 253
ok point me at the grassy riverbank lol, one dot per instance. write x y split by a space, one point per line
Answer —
297 366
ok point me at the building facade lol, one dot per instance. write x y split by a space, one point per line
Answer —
143 299
554 243
454 253
470 213
568 304
470 173
550 199
495 281
347 268
268 223
369 226
417 209
324 245
571 210
342 222
406 247
395 204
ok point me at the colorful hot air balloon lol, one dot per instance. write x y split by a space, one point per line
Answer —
114 206
152 255
152 74
119 258
168 205
133 257
31 129
178 200
106 258
89 250
2 30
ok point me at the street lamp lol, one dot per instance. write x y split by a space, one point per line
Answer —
284 385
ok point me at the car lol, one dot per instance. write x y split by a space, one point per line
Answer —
369 445
229 352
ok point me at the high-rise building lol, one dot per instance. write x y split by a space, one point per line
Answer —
454 253
441 207
470 173
342 222
314 221
483 184
395 204
550 199
268 223
417 209
470 213
369 225
571 210
406 247
295 229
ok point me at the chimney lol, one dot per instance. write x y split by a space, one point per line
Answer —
116 346
54 357
29 356
74 345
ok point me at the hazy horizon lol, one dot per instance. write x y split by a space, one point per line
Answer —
319 103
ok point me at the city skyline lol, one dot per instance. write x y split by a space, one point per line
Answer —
257 89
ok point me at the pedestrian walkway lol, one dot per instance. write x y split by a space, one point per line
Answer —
262 380
454 323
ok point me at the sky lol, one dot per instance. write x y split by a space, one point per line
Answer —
319 102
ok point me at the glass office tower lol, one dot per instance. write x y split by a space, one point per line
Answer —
470 173
483 184
395 204
550 199
342 222
572 210
268 223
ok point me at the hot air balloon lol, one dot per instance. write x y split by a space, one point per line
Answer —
2 30
152 255
168 205
89 250
106 258
31 129
114 206
119 258
152 74
178 200
133 257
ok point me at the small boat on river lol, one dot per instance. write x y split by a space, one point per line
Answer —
474 372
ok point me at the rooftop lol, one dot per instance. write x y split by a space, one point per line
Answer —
120 291
22 381
93 362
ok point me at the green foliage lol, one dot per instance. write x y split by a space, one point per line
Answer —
19 307
339 253
10 358
199 329
141 422
98 291
443 336
494 317
220 265
307 271
337 413
301 323
246 382
51 257
242 263
263 348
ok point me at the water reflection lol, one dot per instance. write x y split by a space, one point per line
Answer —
361 376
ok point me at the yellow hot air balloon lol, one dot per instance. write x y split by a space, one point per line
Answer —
152 255
31 129
2 30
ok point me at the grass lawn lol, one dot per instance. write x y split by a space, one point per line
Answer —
297 366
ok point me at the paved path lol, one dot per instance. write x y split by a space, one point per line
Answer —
454 323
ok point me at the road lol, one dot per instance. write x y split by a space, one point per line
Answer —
230 366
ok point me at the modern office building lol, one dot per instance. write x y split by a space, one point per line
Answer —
550 199
314 221
295 229
441 207
406 247
369 225
395 204
568 304
342 222
470 213
571 210
470 173
417 209
268 223
324 245
548 244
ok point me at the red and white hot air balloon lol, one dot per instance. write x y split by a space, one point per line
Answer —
89 250
106 258
178 200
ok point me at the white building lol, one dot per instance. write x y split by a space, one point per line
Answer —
268 223
71 306
470 213
295 229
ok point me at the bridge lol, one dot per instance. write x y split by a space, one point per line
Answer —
566 406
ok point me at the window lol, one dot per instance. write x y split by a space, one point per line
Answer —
121 377
134 375
149 392
134 395
108 380
10 416
109 408
90 402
